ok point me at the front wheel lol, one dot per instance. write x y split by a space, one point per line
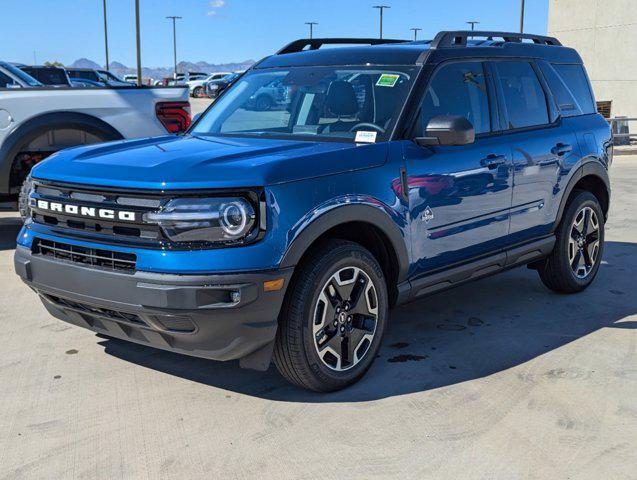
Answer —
333 319
575 259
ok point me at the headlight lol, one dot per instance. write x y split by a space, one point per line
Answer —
206 220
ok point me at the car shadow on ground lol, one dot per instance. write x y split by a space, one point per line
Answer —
463 334
9 229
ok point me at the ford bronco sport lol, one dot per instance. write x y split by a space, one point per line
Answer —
388 171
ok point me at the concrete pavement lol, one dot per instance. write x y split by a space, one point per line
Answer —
499 379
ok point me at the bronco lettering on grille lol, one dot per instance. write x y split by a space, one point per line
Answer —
83 211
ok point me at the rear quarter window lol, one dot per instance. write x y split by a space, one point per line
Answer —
575 80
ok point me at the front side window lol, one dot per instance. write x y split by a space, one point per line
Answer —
459 89
5 81
318 102
524 98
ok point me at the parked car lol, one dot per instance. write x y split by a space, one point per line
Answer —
52 76
12 77
103 77
184 78
36 122
214 88
269 96
131 78
392 172
198 87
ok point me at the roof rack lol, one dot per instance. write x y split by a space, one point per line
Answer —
316 43
459 38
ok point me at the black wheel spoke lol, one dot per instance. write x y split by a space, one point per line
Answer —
576 260
333 294
592 237
575 233
328 336
357 292
587 222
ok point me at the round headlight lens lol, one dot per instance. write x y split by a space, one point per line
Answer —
233 218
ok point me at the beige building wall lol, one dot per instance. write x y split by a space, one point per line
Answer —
604 32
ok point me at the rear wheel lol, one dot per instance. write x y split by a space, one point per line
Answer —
575 259
333 319
198 92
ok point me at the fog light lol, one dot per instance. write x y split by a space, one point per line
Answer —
235 296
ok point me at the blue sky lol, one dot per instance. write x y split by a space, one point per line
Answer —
220 31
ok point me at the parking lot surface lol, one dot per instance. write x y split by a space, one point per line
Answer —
499 379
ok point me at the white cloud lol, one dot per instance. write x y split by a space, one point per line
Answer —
215 5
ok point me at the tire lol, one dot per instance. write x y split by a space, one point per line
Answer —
198 92
573 265
305 327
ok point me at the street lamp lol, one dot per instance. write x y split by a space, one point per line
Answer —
106 35
381 8
522 16
174 19
139 45
473 24
311 24
415 30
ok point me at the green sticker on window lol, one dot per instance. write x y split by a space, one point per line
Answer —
387 80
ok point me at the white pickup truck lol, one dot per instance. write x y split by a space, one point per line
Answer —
38 121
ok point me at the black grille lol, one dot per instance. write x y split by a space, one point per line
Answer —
134 232
94 310
90 257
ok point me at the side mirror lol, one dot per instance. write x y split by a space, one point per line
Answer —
447 130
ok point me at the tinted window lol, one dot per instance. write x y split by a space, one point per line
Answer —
5 81
568 106
523 95
576 81
459 89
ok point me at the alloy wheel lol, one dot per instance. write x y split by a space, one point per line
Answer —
345 318
583 243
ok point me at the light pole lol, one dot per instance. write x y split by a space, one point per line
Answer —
106 35
415 30
473 24
311 24
139 45
381 8
174 19
522 16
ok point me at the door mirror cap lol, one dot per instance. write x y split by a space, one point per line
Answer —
447 130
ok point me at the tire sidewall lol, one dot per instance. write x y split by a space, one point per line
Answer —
352 257
582 200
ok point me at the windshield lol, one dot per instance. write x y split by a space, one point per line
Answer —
28 79
107 76
342 103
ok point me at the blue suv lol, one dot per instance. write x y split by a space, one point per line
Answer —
387 171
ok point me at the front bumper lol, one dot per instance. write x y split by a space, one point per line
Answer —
221 317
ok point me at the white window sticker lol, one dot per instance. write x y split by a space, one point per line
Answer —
365 137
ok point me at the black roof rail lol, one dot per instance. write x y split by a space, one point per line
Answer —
459 38
316 43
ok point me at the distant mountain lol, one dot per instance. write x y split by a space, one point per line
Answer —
120 69
85 63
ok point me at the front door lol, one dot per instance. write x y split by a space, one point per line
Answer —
459 196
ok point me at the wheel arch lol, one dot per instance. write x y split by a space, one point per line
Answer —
35 127
366 225
592 177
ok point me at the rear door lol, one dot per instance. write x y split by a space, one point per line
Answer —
543 147
459 196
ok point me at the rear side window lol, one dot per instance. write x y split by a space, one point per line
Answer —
459 89
576 81
524 98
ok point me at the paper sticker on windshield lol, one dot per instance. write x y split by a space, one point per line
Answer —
387 80
365 137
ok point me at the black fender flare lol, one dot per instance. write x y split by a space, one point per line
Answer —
591 168
374 216
36 126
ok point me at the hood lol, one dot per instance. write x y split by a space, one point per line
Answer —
203 162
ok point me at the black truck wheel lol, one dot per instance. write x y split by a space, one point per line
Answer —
333 319
575 259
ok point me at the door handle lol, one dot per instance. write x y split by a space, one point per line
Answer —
493 161
561 149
